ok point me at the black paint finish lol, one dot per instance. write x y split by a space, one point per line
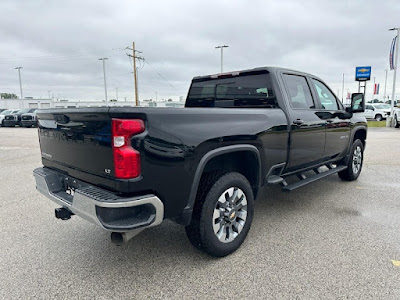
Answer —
173 148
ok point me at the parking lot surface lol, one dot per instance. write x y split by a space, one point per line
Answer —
328 240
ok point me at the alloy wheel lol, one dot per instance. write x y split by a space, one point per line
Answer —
357 160
230 214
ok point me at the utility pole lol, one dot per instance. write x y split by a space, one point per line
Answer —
396 56
116 90
342 87
134 57
104 74
222 55
384 93
134 73
20 84
49 94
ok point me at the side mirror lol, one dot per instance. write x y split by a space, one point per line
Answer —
357 103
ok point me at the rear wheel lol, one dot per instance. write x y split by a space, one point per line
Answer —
222 215
378 117
354 165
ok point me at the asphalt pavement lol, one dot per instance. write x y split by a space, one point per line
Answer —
328 240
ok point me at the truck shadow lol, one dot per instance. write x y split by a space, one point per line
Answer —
167 247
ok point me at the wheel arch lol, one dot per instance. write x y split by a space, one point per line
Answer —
220 157
360 134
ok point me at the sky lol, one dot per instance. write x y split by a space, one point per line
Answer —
58 43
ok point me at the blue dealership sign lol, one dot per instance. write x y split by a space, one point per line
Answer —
363 73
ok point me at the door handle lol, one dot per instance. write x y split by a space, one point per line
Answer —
298 122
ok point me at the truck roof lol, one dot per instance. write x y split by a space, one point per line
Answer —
266 69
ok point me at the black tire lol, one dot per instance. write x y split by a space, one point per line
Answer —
201 230
396 122
354 165
378 117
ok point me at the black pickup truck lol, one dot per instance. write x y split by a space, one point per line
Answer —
126 169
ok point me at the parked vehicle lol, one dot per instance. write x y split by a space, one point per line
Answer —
375 111
29 119
5 113
2 109
396 117
126 169
13 119
396 102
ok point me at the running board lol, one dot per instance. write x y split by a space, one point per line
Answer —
306 180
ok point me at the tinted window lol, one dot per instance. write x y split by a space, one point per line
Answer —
327 99
299 91
253 90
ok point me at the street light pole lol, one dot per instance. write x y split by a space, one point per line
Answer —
384 92
395 70
20 84
342 87
104 74
222 55
116 90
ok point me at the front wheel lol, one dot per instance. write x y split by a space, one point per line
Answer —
222 215
395 122
354 165
378 118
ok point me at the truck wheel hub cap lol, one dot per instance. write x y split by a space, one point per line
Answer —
230 214
357 160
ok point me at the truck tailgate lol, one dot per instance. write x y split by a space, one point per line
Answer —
79 139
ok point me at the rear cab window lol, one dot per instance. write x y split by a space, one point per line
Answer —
244 91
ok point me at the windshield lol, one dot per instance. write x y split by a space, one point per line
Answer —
23 111
6 112
385 106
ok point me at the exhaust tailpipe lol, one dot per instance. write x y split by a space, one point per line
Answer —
118 238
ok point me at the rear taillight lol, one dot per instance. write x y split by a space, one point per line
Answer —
126 159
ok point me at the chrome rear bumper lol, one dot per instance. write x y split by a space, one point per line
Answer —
101 207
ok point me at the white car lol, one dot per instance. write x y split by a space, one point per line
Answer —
396 117
6 112
377 111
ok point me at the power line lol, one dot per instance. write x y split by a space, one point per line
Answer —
146 61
